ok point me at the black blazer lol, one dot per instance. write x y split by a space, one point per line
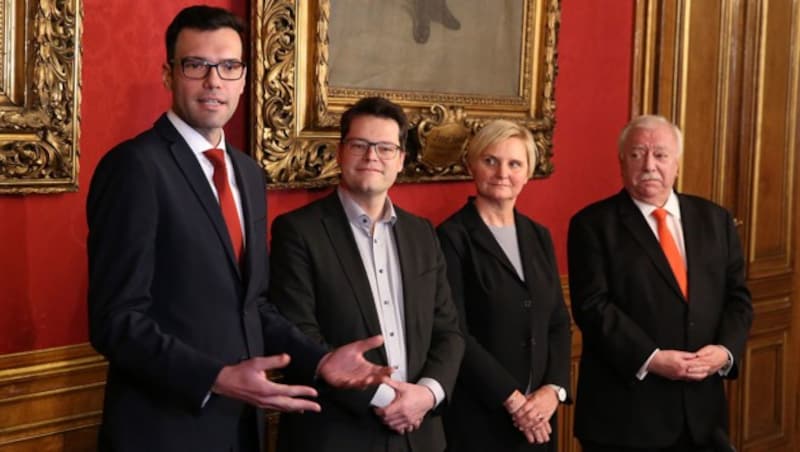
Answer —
514 329
319 282
627 302
168 306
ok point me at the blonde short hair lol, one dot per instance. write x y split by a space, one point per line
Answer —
648 122
500 130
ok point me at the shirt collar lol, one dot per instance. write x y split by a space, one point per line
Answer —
671 206
197 143
356 215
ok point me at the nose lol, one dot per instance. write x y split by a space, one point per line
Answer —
372 152
649 162
502 171
212 79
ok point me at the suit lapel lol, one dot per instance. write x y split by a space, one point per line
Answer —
403 239
632 219
691 226
340 236
191 170
244 180
531 254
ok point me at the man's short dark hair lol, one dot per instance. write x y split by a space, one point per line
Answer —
200 17
379 107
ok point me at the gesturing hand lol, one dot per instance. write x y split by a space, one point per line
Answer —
410 404
248 381
346 367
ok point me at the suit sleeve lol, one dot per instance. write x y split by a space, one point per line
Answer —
489 381
560 337
122 213
447 343
737 311
605 327
292 291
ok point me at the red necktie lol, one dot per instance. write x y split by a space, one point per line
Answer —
671 250
229 213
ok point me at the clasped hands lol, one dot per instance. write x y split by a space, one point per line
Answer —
344 367
408 408
531 414
690 366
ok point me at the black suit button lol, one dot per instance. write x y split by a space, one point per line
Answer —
527 304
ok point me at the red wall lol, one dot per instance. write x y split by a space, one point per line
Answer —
42 237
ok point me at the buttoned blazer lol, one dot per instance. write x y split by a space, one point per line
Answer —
627 303
515 329
168 305
319 282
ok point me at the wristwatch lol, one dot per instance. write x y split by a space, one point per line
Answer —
561 393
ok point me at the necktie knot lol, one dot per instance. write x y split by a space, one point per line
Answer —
660 214
216 157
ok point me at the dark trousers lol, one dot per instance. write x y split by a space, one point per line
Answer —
685 443
247 435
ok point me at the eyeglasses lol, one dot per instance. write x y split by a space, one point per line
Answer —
198 68
384 149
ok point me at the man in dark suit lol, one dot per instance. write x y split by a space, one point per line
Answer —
658 290
353 265
178 270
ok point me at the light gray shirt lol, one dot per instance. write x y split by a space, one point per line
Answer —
378 251
506 237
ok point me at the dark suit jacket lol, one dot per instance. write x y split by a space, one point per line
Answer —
514 329
168 306
627 302
319 282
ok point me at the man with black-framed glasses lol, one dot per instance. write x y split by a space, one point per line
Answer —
178 271
353 265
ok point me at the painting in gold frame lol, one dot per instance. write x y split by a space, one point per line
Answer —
296 108
39 95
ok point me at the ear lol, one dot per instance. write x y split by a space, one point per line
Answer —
339 151
243 80
166 76
401 160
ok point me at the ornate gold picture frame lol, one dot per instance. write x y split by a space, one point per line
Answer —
39 95
308 67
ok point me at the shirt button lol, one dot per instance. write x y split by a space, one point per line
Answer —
380 270
391 334
527 304
395 367
385 301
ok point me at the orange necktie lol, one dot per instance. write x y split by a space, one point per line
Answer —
671 250
229 213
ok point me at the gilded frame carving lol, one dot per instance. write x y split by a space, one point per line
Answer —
39 95
295 112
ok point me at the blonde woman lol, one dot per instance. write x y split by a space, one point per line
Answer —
504 278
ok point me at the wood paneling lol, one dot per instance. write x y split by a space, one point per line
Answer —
727 73
51 400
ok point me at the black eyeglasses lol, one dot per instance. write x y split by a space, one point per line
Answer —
384 149
198 68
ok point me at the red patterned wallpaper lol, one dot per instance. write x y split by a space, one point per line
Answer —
42 238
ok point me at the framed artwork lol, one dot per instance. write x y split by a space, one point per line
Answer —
452 65
39 96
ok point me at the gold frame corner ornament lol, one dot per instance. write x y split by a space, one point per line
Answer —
40 96
295 113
